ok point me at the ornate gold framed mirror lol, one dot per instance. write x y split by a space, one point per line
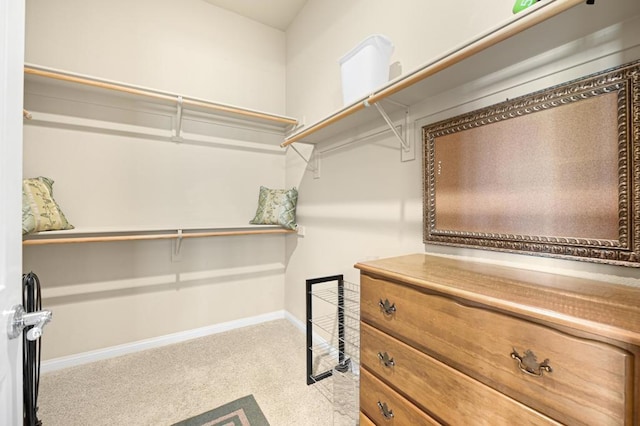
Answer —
553 173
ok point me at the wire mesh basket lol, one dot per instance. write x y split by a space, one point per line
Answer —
333 337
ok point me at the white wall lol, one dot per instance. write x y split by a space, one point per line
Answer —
184 46
326 30
366 203
109 294
115 165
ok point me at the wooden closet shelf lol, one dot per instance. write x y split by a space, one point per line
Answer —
73 78
79 236
517 39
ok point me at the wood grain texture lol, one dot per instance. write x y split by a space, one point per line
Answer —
471 316
450 395
604 309
372 391
365 421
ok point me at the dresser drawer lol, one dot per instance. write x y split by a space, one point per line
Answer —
589 383
365 421
400 412
447 394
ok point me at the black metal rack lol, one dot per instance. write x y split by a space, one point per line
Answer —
314 378
343 350
333 343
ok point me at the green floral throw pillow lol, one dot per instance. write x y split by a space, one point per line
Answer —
40 212
276 207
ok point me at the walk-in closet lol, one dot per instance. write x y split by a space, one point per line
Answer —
211 196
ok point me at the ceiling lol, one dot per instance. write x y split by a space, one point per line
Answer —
274 13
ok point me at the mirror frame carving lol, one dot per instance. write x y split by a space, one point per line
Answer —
623 250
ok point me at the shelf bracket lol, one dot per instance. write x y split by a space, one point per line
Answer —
407 149
177 137
383 113
176 254
314 168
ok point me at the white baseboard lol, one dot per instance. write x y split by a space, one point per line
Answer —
169 339
295 321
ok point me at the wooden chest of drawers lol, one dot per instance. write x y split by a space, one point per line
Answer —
446 341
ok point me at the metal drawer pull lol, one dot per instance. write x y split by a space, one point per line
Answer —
388 414
529 363
386 360
388 307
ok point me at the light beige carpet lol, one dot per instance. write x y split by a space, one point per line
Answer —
165 385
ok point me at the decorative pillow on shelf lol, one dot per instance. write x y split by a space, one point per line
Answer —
40 212
276 207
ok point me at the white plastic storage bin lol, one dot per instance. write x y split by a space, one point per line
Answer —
365 68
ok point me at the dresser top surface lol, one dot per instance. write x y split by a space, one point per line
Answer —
606 309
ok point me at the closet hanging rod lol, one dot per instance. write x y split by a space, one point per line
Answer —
97 239
142 237
103 84
492 38
96 83
519 23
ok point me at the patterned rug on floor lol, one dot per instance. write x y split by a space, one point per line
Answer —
241 412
